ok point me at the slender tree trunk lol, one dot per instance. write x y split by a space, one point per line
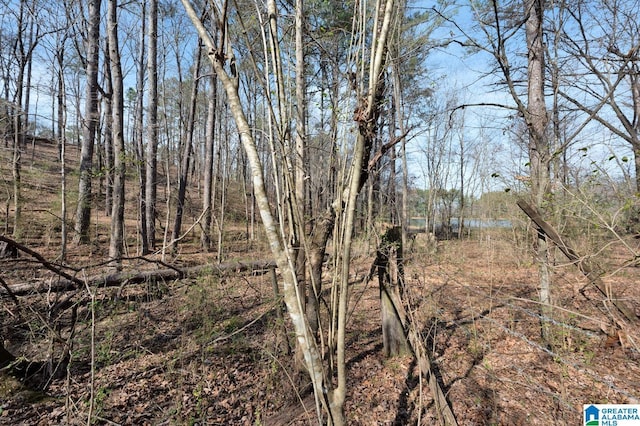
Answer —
108 137
186 153
18 123
83 213
139 120
300 159
400 119
151 169
461 205
537 120
224 173
369 111
116 244
62 124
16 171
391 197
207 205
303 334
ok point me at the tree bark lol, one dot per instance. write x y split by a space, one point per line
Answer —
185 162
137 276
108 136
151 169
139 132
390 280
300 150
539 156
207 205
116 244
304 337
62 145
83 212
320 234
19 119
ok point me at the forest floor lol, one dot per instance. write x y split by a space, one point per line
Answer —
210 350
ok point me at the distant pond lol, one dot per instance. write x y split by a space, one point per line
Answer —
470 223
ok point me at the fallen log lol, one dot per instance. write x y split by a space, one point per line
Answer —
133 277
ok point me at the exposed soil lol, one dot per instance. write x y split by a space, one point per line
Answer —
211 350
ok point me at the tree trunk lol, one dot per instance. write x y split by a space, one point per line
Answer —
62 142
17 138
83 213
136 276
537 120
151 169
300 150
322 230
390 280
207 205
116 244
138 129
186 153
634 80
108 137
16 171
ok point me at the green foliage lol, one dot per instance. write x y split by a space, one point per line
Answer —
104 353
99 399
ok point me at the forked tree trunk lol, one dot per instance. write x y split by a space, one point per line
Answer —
331 398
304 336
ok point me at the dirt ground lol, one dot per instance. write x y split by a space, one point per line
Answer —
210 350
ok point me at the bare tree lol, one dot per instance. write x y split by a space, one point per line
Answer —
207 194
151 169
501 25
89 123
62 140
330 397
116 244
187 147
602 41
27 35
138 133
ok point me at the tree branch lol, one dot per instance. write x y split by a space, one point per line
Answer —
44 262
